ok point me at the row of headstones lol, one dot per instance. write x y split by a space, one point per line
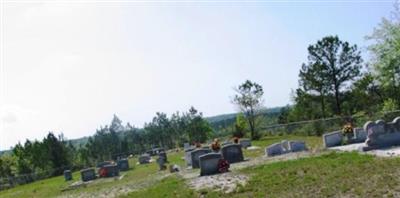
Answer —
112 170
207 160
377 134
243 142
145 158
284 147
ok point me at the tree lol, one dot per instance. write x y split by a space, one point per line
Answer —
386 55
240 126
198 129
116 124
336 63
249 100
313 79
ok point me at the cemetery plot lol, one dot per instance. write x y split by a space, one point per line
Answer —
374 135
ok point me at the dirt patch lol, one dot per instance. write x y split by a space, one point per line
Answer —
226 182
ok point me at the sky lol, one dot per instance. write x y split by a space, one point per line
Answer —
68 66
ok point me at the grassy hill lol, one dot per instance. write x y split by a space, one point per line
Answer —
320 174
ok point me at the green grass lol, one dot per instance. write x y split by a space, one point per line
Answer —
328 175
169 187
137 176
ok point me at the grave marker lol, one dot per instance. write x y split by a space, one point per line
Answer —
67 175
209 163
382 134
232 153
245 143
144 159
274 149
333 139
195 156
123 164
88 174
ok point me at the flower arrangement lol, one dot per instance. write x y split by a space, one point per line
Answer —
347 129
236 140
223 166
215 146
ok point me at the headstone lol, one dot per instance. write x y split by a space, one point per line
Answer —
209 163
245 143
144 159
163 155
88 174
232 153
161 162
360 135
186 146
195 156
274 149
123 164
188 156
333 139
68 175
112 170
382 134
296 146
102 164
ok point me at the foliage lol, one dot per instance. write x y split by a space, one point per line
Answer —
386 54
240 126
50 154
331 64
249 100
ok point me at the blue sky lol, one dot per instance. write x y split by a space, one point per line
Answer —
68 67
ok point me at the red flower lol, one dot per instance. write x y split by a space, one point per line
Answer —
223 166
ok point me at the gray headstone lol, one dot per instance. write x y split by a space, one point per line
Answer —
209 163
88 174
123 164
67 175
360 135
186 146
232 153
296 146
144 159
333 139
195 156
381 134
112 170
245 143
188 156
274 149
163 155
